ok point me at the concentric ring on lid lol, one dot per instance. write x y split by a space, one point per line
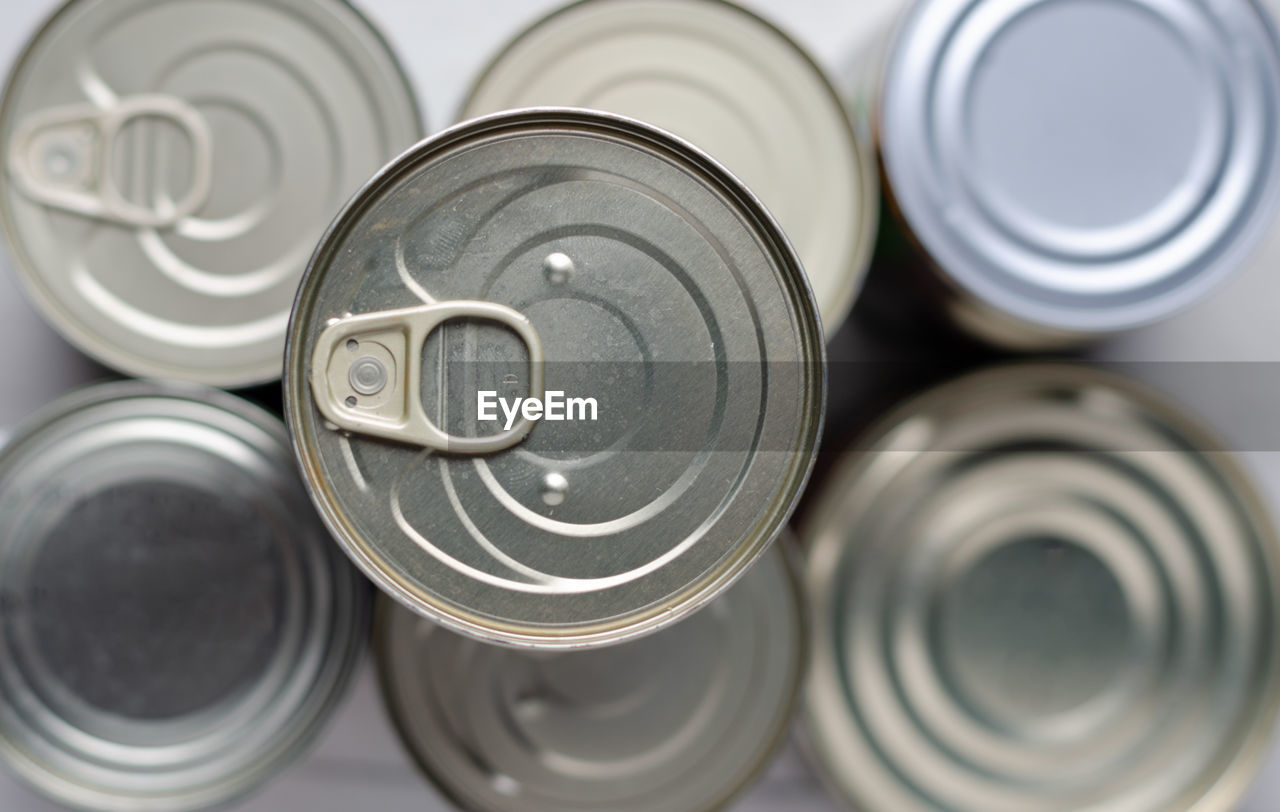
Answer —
1084 165
168 168
733 84
682 720
1041 588
579 252
177 624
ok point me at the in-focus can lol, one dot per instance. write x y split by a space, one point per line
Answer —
536 254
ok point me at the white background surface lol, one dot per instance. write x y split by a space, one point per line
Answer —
443 43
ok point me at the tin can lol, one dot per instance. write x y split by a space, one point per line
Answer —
734 85
1064 170
170 166
175 624
536 253
683 720
1041 588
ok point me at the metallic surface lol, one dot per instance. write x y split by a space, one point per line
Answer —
1032 592
170 166
681 721
734 85
1079 167
688 317
177 625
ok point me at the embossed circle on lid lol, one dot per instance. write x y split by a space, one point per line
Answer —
736 87
168 168
1042 588
674 303
1084 165
683 719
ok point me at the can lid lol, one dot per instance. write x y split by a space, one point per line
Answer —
1041 587
1084 166
169 167
574 254
734 85
176 623
684 719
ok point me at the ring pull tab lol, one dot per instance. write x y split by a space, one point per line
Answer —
75 158
366 374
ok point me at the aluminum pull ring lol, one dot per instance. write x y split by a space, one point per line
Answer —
65 156
366 374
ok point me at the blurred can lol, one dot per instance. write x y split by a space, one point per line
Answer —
1062 169
170 166
176 625
530 254
1040 588
685 719
734 85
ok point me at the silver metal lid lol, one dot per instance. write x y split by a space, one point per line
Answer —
1084 166
1039 588
170 166
680 721
734 85
176 624
537 251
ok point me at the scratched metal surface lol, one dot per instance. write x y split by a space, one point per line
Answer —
359 764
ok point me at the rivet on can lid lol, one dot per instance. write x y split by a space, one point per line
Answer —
733 85
659 414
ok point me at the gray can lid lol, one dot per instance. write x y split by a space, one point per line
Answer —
1041 588
1084 166
170 166
605 259
684 719
177 625
734 85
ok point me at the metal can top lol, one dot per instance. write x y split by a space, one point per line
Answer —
176 623
528 254
683 720
170 166
735 86
1041 588
1080 166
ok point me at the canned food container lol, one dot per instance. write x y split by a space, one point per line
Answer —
175 624
170 166
1068 169
1041 588
734 85
544 254
681 721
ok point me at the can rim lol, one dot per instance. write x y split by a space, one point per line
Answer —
786 547
57 316
863 153
774 242
1238 773
312 715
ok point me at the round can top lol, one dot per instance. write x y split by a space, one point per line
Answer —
1084 166
1041 588
683 720
734 85
536 254
176 623
168 168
